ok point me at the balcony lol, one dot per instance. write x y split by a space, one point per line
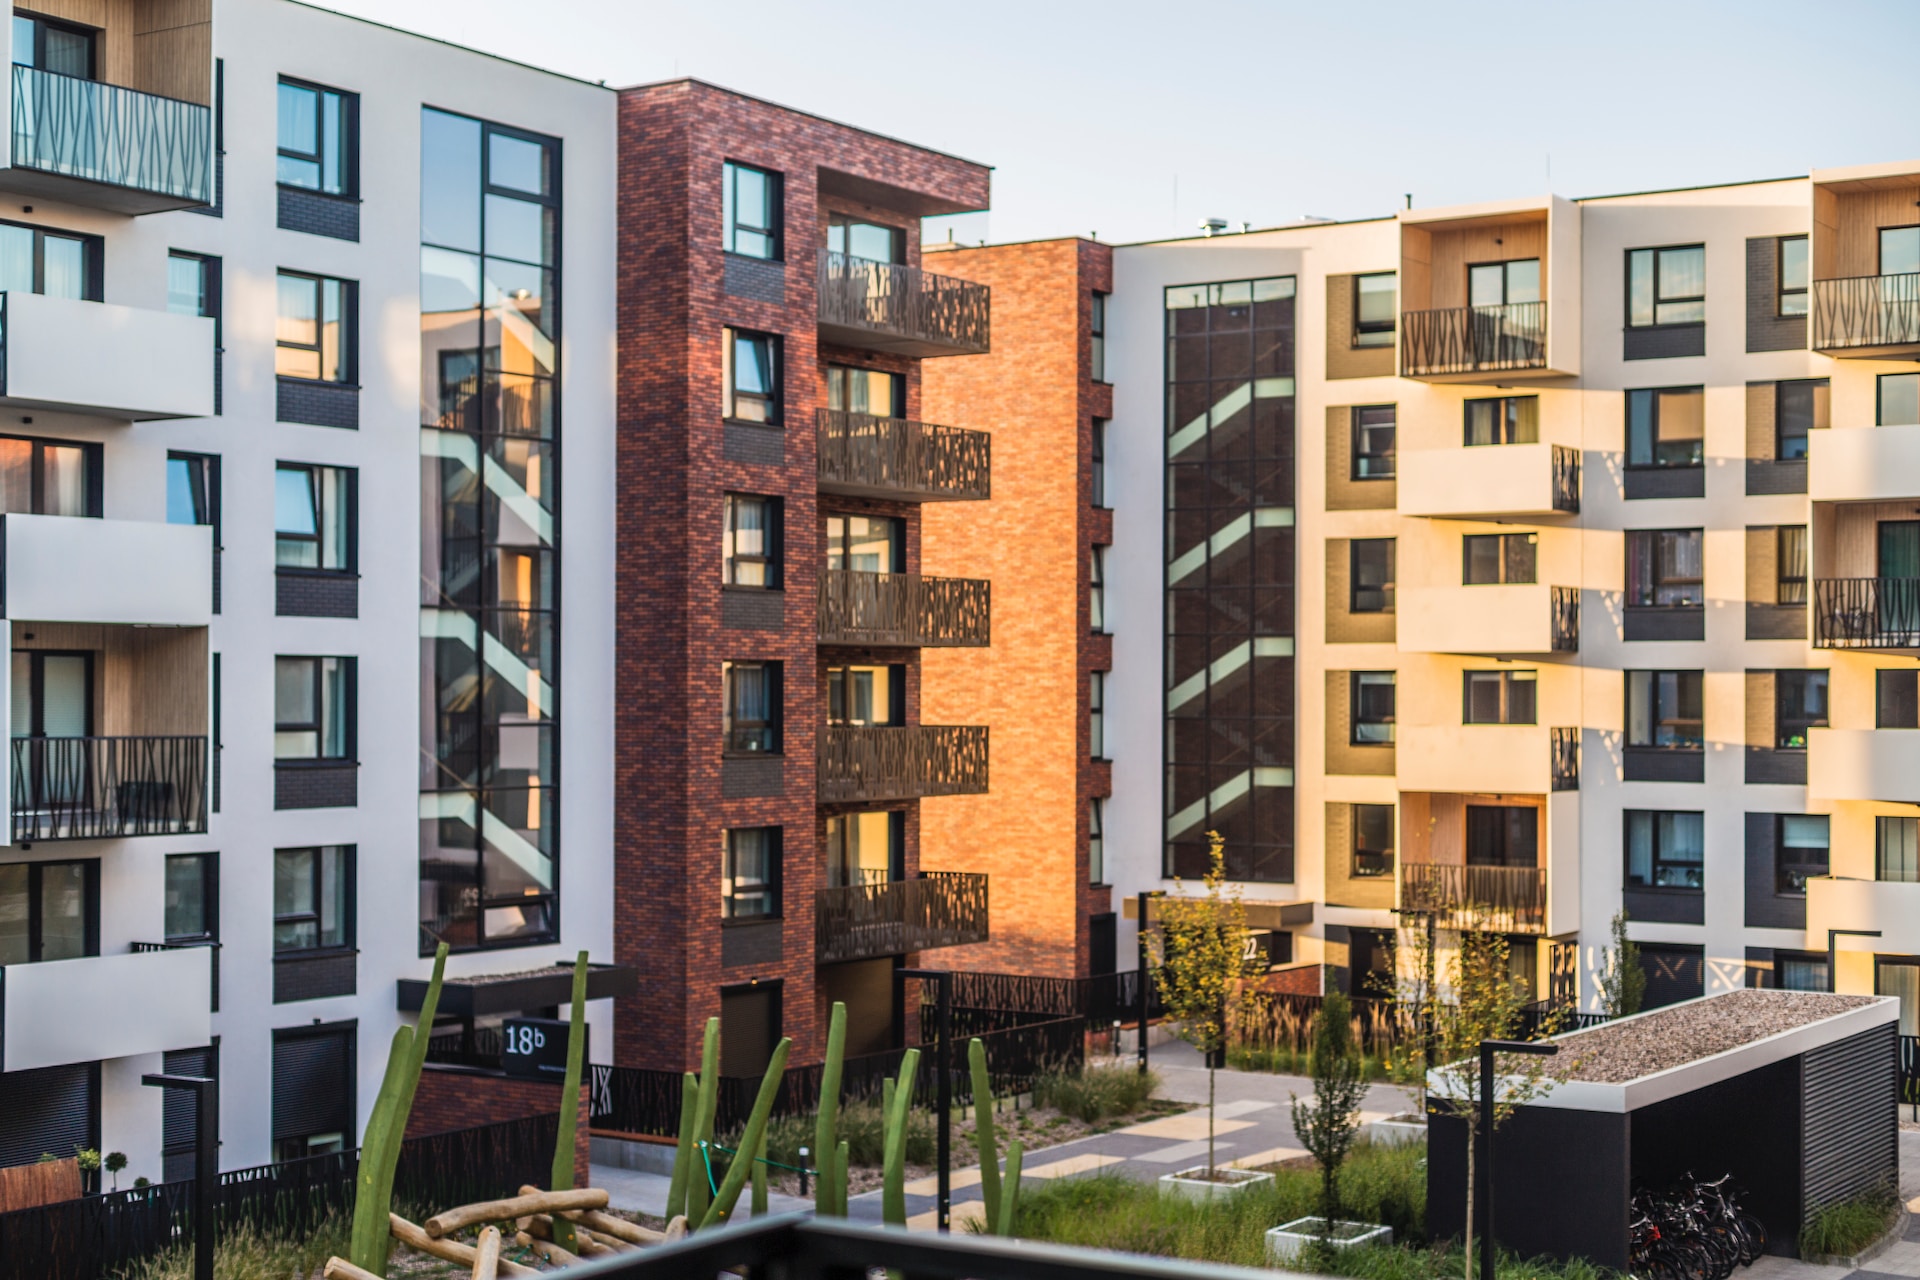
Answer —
895 917
903 609
864 456
1516 759
68 569
1892 907
95 357
1866 613
108 788
1510 619
1480 899
1870 316
1490 293
1864 764
1864 464
115 147
1473 340
901 763
884 306
86 1010
1489 482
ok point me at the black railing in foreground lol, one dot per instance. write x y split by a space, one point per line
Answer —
1566 479
213 960
1564 743
110 134
1473 339
1489 899
1866 311
904 608
897 301
901 762
98 1235
1866 613
865 453
893 917
1566 619
101 788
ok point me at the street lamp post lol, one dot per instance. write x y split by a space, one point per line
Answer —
1833 966
206 1161
943 1068
1143 993
1484 1166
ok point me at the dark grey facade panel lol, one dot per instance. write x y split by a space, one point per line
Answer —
313 977
1849 1141
1664 906
316 595
747 777
328 786
337 217
1776 768
1665 342
754 444
1664 482
757 279
1662 764
313 1073
1663 624
1765 330
1768 475
318 404
749 609
755 943
1776 621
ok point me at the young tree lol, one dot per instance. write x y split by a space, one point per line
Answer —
1414 990
1623 982
1329 1124
1202 960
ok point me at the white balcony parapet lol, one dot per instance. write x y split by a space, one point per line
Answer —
70 569
1509 618
97 357
1863 464
1893 908
1475 758
1490 480
64 1011
1864 764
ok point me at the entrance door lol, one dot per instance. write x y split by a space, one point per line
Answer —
749 1028
52 700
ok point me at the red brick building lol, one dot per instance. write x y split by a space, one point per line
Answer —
770 753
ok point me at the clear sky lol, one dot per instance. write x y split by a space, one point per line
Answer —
1136 120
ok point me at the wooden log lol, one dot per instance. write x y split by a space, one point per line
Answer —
341 1269
451 1250
612 1244
486 1261
677 1228
605 1224
445 1224
547 1249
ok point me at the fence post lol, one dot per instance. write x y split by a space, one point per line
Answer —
206 1160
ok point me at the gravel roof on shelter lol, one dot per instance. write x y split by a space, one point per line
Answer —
1616 1052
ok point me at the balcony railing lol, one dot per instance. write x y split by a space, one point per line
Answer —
1566 479
105 788
875 457
890 307
112 135
1566 619
901 762
1482 899
903 608
1565 747
1474 339
1866 613
893 917
1866 311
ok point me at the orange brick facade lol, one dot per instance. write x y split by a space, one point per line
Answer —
1036 392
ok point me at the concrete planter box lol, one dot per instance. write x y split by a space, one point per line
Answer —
1287 1241
1397 1131
1195 1185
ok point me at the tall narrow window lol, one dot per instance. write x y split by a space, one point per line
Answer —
1664 569
1800 852
1097 489
1372 840
313 898
750 873
318 138
749 544
1494 558
1374 299
752 376
49 477
1793 274
1790 564
1898 400
1097 323
1664 710
193 490
1896 699
1097 714
750 210
1374 443
1800 406
313 708
1372 710
1096 841
1896 849
1507 420
1666 286
49 911
1800 704
193 289
313 335
1665 850
1666 428
752 707
313 515
1371 572
1097 589
192 897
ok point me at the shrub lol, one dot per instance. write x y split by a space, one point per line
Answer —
1094 1093
862 1128
1848 1226
246 1252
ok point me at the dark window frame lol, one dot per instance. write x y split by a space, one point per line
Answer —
1784 447
1656 863
1357 683
1362 455
1657 582
209 486
89 907
1097 335
1789 876
93 256
730 223
1508 827
1880 244
1097 459
1373 328
1882 823
350 499
837 385
1506 680
769 888
896 676
1880 398
1654 441
1504 559
41 25
1790 548
212 291
732 398
769 558
350 696
1895 706
1655 253
94 454
1379 597
842 542
1657 716
209 896
751 737
1366 862
36 688
1509 421
1096 840
348 861
349 140
1506 280
1782 721
1781 292
897 247
349 328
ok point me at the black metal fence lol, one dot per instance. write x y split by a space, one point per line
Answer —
1474 339
1866 613
104 788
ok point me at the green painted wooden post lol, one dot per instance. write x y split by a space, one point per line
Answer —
737 1172
828 1200
683 1150
564 1142
983 1133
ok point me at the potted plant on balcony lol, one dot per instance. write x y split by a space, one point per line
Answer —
1327 1127
1202 963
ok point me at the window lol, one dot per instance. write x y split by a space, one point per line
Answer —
1790 564
1493 558
49 911
1898 401
1665 850
1097 323
873 391
866 544
1374 304
1503 836
1900 978
192 897
1896 699
1799 407
1666 428
1800 703
49 477
1899 251
751 707
1096 841
749 555
750 873
313 517
872 241
1372 710
1896 849
317 138
1666 286
313 708
313 337
1096 589
861 694
56 263
46 44
1097 489
1372 840
1370 584
1792 273
1373 442
865 848
1507 420
1500 284
750 208
1097 714
752 376
1663 569
312 898
1664 710
1799 851
313 1078
1800 971
193 287
1498 697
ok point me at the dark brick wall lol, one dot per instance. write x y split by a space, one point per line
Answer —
757 279
316 595
319 215
748 944
1664 482
1766 909
319 404
1665 342
310 977
1767 767
1768 475
1658 764
1664 906
1765 330
1663 624
751 609
676 460
462 1097
316 786
1776 621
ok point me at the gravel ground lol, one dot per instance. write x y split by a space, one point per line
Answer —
1614 1053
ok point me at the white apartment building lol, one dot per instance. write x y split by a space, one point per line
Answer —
1528 562
284 387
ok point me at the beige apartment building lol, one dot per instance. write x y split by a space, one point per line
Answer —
1512 565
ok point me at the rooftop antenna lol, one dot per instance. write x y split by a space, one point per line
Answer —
1409 199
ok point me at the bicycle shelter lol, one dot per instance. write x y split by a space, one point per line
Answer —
1792 1093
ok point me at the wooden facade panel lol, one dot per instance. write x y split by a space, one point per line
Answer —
1853 548
1858 217
1457 249
1760 709
176 62
1763 553
162 47
147 680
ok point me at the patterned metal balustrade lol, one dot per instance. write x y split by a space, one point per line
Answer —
102 788
894 917
1457 340
1484 899
901 762
889 307
1866 613
903 609
113 135
1566 479
863 455
1866 312
1565 746
1566 619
